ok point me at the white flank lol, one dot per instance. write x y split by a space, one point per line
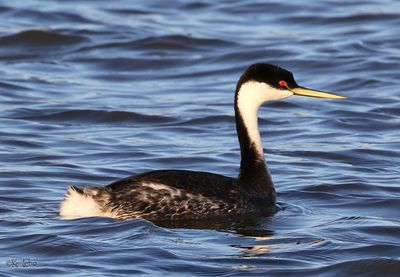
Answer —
76 205
250 97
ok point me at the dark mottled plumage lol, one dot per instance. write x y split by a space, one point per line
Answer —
188 195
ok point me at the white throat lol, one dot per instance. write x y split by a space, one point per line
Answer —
250 97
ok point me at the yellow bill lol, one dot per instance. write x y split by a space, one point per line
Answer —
315 93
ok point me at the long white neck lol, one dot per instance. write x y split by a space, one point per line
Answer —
250 97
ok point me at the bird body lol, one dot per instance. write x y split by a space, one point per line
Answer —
174 194
170 195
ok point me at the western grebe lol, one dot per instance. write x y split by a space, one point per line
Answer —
166 195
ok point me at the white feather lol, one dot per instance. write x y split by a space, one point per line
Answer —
250 97
76 205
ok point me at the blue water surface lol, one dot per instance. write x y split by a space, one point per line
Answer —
94 91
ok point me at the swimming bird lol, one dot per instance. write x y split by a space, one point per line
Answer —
170 195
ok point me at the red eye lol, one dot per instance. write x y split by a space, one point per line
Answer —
283 84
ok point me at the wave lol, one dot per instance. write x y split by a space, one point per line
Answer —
166 42
91 116
207 120
43 38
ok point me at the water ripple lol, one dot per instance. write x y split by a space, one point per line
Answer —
90 116
38 37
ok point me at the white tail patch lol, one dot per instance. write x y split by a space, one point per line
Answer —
77 205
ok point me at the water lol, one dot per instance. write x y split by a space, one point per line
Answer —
93 91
